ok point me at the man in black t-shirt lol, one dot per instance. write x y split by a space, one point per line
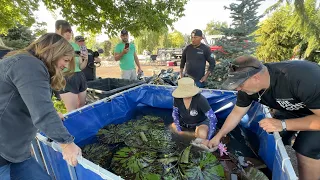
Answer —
292 88
195 56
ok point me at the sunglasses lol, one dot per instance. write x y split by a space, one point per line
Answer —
235 67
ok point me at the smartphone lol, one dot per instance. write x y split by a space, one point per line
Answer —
83 49
77 53
126 46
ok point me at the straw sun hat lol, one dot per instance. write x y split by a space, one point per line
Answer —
186 88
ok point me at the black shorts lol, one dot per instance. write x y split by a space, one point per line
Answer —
192 127
306 143
75 84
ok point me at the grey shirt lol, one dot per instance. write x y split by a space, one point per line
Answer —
26 106
195 58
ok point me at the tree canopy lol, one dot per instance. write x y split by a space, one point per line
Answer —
97 15
281 38
214 27
111 15
17 12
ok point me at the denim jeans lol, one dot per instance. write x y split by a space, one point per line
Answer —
26 170
199 84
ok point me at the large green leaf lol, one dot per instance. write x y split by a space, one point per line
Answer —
97 153
254 174
133 163
201 165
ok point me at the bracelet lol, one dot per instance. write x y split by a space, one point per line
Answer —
284 125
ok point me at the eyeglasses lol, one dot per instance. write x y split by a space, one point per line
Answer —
235 67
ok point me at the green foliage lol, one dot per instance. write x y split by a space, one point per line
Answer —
214 27
113 16
97 153
18 37
150 153
276 40
152 40
304 20
133 163
252 173
39 29
238 39
176 38
148 40
59 105
281 38
307 32
107 48
114 41
16 12
219 74
200 165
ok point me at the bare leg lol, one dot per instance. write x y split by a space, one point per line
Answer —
82 98
202 131
70 100
309 169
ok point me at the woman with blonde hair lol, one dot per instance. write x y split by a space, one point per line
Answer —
26 79
74 95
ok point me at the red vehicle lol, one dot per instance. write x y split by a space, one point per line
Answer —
213 47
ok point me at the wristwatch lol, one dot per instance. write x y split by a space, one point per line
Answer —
284 125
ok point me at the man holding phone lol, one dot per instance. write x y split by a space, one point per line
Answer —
125 52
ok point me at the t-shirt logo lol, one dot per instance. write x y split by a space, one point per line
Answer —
289 106
193 112
200 52
212 55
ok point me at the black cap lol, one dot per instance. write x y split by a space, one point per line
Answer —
196 32
124 32
241 69
79 38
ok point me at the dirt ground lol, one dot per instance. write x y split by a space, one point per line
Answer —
113 71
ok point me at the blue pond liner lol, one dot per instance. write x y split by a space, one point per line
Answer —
85 122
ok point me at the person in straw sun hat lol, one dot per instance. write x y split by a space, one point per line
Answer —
192 112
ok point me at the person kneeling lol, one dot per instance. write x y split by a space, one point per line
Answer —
192 112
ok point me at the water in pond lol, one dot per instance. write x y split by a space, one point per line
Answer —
138 160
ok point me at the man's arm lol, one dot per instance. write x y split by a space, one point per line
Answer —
232 120
118 53
307 123
118 56
136 59
183 61
212 63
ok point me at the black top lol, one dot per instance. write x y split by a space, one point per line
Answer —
196 112
294 86
195 58
26 106
89 69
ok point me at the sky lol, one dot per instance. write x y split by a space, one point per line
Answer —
197 14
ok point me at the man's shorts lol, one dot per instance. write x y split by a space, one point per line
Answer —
192 127
129 74
306 143
75 84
